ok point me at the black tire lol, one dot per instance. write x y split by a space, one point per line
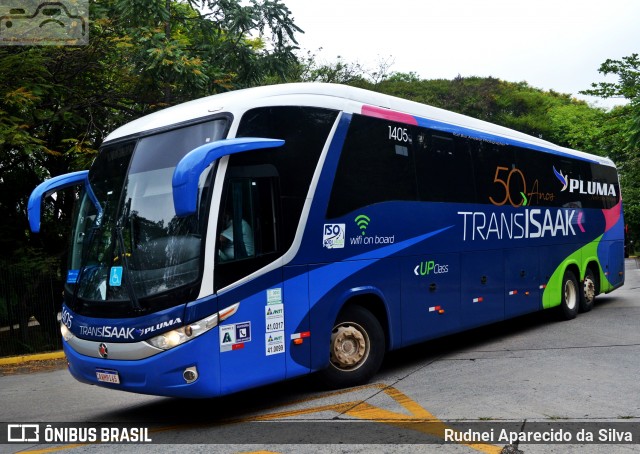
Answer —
588 291
357 348
570 296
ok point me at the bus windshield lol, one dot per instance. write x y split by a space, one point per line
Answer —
128 244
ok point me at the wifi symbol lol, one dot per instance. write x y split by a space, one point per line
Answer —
362 221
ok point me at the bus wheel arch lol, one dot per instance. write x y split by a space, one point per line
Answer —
357 344
590 287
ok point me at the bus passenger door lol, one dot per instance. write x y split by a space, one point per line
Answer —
482 288
522 281
248 244
430 296
614 267
247 357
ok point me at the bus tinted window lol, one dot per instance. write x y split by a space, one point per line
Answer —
376 166
444 168
248 231
498 179
608 177
305 131
559 181
174 145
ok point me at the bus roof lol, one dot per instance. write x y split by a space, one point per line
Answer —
335 96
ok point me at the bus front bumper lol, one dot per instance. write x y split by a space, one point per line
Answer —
190 370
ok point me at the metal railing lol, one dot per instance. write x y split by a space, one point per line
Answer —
29 305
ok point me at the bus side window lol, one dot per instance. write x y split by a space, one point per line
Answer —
497 177
235 223
444 168
376 165
247 227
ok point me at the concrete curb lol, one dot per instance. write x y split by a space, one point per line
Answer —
36 357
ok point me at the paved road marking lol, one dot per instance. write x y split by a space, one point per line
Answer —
418 418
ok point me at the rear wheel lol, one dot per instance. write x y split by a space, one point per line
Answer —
589 291
570 296
357 348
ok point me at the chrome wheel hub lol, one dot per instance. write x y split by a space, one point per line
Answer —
349 346
589 290
570 296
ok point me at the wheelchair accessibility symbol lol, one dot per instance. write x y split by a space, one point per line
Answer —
115 276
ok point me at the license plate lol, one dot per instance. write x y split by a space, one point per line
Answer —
108 376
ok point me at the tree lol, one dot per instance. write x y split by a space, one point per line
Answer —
625 121
57 104
340 71
184 50
577 125
628 87
515 105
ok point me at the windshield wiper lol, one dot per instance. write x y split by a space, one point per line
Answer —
131 291
127 273
83 259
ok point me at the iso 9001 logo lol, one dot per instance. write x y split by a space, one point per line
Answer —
333 236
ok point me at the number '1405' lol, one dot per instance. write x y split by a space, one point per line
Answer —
398 133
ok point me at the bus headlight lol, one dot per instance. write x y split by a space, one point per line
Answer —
179 336
66 332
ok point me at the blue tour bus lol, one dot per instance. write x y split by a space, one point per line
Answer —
352 223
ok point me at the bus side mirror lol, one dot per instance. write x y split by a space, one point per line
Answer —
187 173
48 187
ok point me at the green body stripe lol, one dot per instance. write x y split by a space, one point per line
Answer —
580 258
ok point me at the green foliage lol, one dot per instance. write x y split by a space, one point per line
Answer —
514 105
628 86
578 126
177 51
57 104
624 128
339 71
410 77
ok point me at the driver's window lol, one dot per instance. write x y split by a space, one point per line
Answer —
247 227
236 227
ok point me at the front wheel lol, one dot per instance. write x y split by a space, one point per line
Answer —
589 291
570 296
357 348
